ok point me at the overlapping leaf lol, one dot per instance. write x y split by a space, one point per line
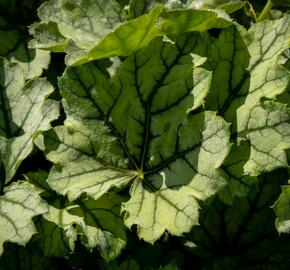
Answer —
97 222
136 128
56 237
59 29
266 41
94 223
24 113
20 203
268 130
246 69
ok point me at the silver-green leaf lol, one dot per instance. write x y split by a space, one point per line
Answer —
19 204
24 114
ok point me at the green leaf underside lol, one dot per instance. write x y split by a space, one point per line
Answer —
176 22
101 30
94 223
135 126
138 33
20 199
244 72
124 40
24 113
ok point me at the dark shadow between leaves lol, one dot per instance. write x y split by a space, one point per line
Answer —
29 257
34 162
23 53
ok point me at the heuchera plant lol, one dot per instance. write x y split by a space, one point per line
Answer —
144 134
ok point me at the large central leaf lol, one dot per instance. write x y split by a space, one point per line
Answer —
135 127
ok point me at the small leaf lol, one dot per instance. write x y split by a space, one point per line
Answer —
101 225
53 240
268 129
97 223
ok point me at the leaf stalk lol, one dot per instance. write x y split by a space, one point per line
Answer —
265 11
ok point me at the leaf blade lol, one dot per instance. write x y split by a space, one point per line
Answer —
18 205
